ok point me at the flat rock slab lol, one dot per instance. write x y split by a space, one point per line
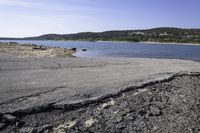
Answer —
35 83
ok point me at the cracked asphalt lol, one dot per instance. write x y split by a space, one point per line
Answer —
167 105
35 86
27 84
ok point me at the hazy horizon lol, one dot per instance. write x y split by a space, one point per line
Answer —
27 18
96 32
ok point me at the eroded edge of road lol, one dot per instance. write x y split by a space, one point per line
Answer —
9 118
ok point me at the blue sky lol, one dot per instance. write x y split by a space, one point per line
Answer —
22 18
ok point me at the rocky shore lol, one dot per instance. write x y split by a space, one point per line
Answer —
13 49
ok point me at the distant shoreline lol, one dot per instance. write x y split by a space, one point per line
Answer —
145 42
172 43
159 35
161 43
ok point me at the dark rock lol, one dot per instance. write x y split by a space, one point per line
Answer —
13 42
84 49
142 112
39 47
19 124
28 130
2 125
9 118
73 49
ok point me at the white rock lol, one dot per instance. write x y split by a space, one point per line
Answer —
62 128
108 104
90 122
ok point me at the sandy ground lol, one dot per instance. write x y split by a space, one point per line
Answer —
98 95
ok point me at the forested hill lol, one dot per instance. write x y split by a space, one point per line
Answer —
176 35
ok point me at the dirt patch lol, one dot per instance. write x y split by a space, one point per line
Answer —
35 51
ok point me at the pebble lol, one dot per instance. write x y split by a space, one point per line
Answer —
155 111
90 122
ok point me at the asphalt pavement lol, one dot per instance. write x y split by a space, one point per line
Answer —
33 83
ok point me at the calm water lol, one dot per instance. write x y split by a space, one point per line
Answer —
116 49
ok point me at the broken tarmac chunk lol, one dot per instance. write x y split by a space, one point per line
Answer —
28 130
7 118
43 128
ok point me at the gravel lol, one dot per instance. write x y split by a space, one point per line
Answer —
169 106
